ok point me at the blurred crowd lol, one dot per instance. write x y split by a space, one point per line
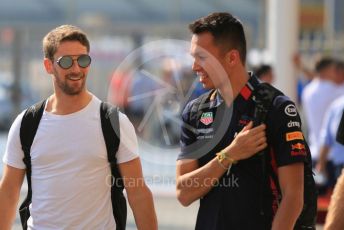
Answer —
153 97
321 99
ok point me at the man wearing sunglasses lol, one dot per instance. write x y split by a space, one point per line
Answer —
69 160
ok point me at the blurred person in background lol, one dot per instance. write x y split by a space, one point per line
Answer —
120 88
265 73
209 164
142 91
306 72
340 72
330 147
317 96
68 159
304 77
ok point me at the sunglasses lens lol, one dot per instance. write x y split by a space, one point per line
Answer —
65 62
84 61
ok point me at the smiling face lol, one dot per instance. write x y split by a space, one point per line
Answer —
209 62
70 81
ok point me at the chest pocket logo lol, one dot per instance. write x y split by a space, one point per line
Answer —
207 118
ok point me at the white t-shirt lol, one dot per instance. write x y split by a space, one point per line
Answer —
70 168
316 98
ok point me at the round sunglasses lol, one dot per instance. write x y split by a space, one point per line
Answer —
65 62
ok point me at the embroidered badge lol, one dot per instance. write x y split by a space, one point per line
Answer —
290 110
298 153
298 146
294 136
292 124
207 118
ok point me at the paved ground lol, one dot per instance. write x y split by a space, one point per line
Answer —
171 215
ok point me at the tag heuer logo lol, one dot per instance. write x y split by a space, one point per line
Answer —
207 118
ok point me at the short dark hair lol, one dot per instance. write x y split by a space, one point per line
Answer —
261 70
226 29
63 33
324 63
340 65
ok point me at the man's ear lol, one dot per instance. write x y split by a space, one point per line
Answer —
48 64
232 57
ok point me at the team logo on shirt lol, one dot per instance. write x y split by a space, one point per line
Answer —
207 118
298 146
294 136
298 149
290 110
292 124
299 153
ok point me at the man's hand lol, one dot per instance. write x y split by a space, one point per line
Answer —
248 142
139 196
10 185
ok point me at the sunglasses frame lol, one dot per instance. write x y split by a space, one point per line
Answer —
58 61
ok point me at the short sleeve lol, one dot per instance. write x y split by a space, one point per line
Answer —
187 135
287 139
14 154
128 147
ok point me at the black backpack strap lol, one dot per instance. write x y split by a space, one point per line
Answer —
110 127
28 129
111 132
264 95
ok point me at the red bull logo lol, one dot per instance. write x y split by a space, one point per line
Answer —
301 152
298 146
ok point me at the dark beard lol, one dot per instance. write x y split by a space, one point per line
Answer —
64 86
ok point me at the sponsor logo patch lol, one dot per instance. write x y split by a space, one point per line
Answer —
205 137
205 131
294 124
290 110
298 146
294 136
298 153
207 118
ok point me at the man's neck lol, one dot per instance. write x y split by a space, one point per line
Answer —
230 91
62 104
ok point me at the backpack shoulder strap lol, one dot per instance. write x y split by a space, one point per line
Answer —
111 132
110 126
264 95
28 130
29 126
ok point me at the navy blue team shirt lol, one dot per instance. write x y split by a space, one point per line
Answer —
248 197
